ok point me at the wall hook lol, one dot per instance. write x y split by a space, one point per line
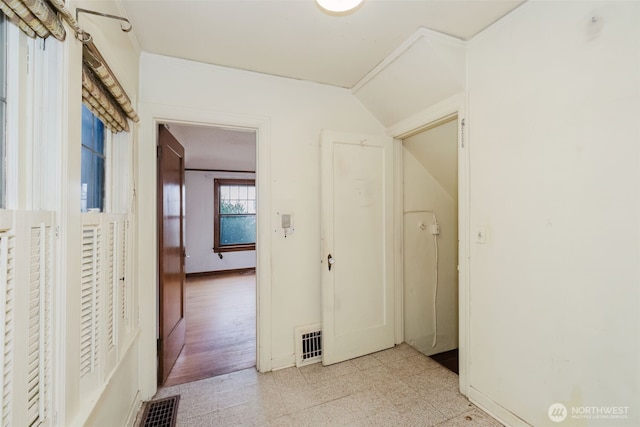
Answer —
126 28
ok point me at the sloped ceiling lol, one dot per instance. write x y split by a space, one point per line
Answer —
430 67
295 38
436 149
397 56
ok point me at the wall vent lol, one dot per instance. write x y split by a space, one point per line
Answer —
308 344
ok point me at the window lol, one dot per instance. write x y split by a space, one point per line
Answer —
234 215
3 109
93 162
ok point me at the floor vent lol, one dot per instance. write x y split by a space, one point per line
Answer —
308 344
161 413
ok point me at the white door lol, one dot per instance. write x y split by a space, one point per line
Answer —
357 238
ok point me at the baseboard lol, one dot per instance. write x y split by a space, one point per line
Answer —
495 410
133 411
220 272
283 362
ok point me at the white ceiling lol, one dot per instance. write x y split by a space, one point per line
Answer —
295 38
216 148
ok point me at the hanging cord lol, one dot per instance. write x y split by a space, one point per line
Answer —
435 286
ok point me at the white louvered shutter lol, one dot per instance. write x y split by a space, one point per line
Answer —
7 276
90 299
124 300
39 339
112 283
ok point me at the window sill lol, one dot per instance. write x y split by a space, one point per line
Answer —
234 248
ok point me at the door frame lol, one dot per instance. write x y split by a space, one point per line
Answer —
430 117
157 114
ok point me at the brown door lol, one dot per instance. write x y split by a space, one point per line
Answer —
171 251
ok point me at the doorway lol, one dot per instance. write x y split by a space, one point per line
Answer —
220 288
430 241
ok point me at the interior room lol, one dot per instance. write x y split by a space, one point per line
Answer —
220 294
456 180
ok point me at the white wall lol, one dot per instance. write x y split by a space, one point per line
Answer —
554 101
199 226
115 386
430 172
291 114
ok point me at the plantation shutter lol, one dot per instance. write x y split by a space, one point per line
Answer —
112 283
90 299
7 276
124 300
39 325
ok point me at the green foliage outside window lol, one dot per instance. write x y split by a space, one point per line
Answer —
235 216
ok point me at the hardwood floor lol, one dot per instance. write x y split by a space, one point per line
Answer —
221 327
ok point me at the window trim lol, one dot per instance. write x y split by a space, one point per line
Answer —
16 62
4 47
106 136
217 247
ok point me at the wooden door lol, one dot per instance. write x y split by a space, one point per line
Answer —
171 251
357 235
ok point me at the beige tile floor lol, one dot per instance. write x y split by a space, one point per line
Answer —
395 387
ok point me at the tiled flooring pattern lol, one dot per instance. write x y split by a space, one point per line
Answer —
395 387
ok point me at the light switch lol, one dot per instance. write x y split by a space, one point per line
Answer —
286 220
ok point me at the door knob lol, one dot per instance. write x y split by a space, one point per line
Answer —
330 261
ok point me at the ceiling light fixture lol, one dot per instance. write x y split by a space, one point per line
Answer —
338 6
